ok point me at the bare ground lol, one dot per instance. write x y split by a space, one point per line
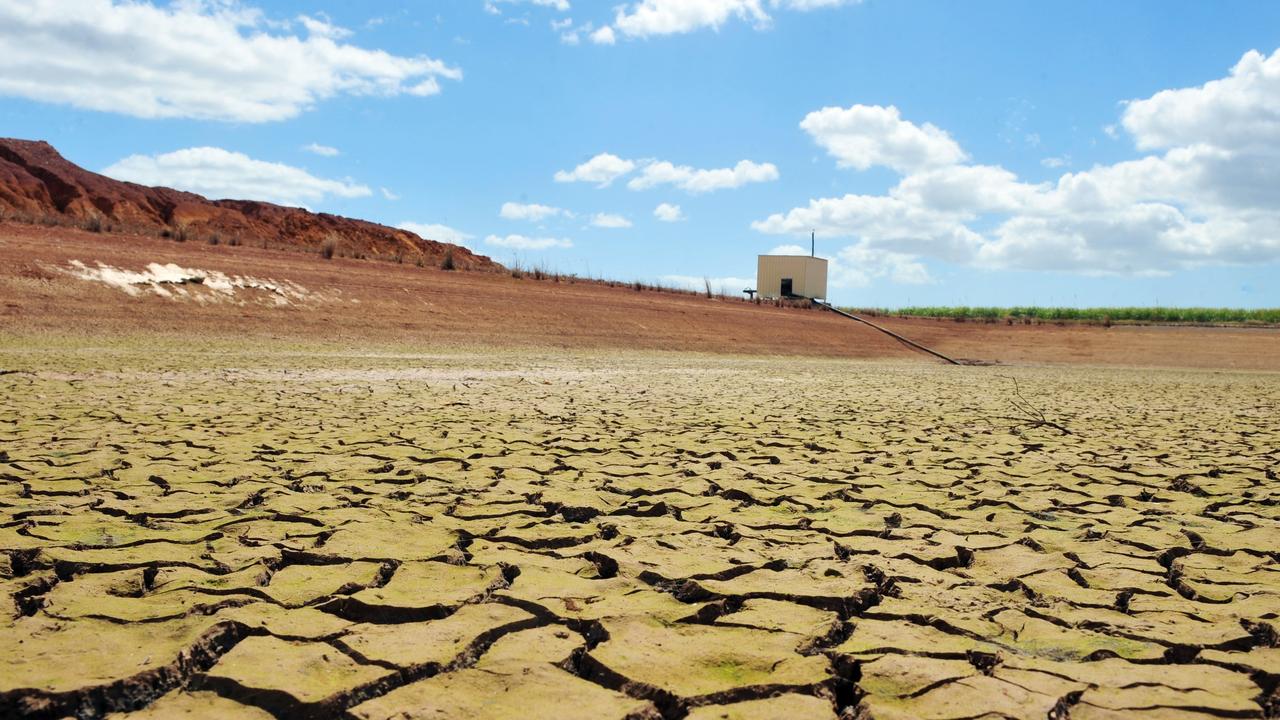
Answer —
235 532
349 303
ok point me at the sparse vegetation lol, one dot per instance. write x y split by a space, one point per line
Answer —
448 262
94 224
1098 316
329 247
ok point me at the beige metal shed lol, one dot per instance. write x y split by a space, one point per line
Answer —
780 276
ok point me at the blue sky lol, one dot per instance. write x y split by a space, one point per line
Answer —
1074 153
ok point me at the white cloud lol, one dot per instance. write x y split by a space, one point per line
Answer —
602 169
1056 162
666 17
520 242
610 220
865 135
814 4
321 150
1238 112
666 212
210 60
389 194
561 5
433 231
859 265
1210 195
532 212
719 285
218 173
321 27
604 36
694 180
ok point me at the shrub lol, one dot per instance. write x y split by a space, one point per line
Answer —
448 263
329 247
181 233
94 224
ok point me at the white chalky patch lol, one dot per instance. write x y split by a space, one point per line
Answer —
176 282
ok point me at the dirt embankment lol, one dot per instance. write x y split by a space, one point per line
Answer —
200 291
38 185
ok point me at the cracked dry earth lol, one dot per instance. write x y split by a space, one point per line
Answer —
607 536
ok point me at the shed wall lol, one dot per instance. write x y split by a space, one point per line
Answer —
808 275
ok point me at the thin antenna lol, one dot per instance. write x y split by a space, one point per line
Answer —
813 242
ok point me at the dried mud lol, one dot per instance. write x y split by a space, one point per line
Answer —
238 535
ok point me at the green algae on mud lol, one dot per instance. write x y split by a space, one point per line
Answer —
234 532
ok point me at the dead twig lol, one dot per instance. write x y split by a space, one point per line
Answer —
1031 416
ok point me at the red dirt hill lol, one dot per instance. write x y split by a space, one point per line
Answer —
37 184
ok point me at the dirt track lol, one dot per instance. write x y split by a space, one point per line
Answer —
356 304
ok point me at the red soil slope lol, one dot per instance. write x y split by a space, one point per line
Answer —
366 305
39 185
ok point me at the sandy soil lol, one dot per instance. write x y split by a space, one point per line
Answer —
350 303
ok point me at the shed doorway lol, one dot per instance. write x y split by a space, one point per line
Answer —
786 287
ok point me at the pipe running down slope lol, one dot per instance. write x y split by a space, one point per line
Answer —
886 331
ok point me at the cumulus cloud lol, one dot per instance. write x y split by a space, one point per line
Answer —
865 135
666 212
604 36
694 180
602 170
321 150
521 242
532 212
492 6
209 60
1238 112
666 17
435 231
1208 194
217 173
859 265
609 220
320 26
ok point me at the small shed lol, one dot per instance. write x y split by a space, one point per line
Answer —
791 276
